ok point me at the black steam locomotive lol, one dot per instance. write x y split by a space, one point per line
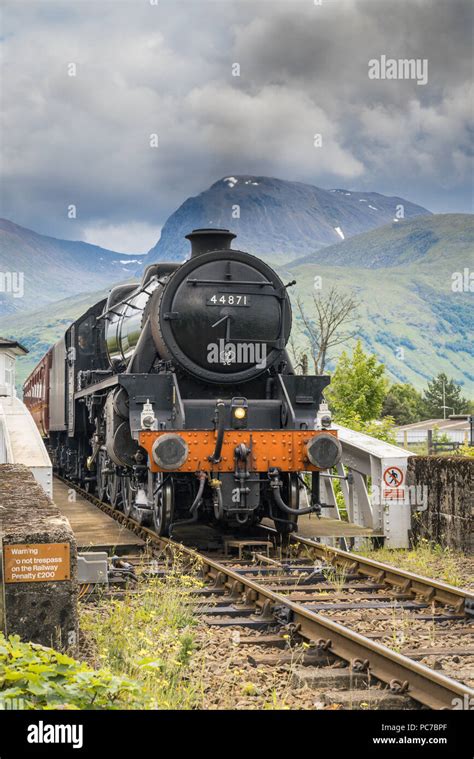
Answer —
175 398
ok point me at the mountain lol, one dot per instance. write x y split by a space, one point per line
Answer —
401 272
279 220
425 238
409 314
40 269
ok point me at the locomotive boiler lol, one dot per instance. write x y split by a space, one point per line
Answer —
175 397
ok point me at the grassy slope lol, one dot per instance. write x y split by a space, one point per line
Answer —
409 305
401 243
38 330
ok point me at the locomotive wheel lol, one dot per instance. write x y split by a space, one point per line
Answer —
102 478
127 496
89 486
163 504
291 496
115 491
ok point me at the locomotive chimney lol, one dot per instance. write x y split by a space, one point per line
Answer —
206 240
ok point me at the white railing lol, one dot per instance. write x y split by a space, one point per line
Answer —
373 483
21 442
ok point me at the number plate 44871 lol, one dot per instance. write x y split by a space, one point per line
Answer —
228 299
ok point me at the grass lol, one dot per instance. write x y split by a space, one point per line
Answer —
146 650
152 637
427 558
400 625
336 575
149 636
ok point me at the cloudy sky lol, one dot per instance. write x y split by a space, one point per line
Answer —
165 67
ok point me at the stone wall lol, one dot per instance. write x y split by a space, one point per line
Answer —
40 611
448 485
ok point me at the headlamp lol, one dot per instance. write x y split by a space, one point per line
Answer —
238 409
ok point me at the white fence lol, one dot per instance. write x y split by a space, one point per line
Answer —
407 437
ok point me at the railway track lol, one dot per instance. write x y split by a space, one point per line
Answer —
382 622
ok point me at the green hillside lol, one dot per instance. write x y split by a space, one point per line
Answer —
38 330
429 239
410 303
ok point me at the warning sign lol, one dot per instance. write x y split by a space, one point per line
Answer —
393 477
37 562
394 494
392 485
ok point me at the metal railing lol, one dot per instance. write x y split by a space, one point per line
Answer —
373 484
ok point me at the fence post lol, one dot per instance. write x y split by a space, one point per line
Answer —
430 442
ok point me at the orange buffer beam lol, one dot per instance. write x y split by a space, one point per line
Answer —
285 449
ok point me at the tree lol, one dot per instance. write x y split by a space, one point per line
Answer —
440 392
358 387
404 403
323 330
383 430
299 359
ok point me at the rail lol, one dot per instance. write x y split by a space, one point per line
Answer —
400 672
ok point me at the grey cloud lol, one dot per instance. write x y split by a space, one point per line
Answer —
143 69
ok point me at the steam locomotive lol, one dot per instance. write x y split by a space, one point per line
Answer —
175 399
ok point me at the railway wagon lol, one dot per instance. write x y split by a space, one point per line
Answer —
175 396
36 393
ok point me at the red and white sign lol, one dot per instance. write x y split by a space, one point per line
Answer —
393 480
393 477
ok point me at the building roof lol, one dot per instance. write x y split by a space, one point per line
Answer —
457 422
14 346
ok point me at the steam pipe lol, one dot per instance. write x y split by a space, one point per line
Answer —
195 504
219 507
275 485
219 418
202 481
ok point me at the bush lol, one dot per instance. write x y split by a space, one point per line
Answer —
35 677
465 450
